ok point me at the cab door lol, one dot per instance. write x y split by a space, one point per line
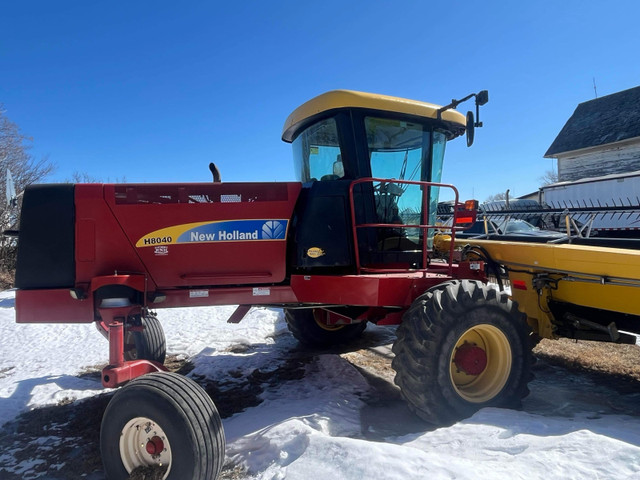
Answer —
399 153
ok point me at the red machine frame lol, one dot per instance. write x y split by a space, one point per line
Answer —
106 229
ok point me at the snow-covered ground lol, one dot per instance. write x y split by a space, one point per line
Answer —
331 421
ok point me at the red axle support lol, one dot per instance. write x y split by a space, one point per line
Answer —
377 315
119 371
239 314
113 318
114 376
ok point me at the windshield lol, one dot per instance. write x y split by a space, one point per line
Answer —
406 151
514 226
317 154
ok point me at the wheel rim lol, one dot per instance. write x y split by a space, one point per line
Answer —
143 443
319 316
130 351
480 363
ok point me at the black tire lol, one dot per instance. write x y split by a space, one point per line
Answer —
169 413
307 328
462 346
148 343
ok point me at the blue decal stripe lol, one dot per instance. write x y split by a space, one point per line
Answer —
235 230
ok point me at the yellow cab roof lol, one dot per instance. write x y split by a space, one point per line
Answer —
349 98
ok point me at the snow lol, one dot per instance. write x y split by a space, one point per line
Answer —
325 425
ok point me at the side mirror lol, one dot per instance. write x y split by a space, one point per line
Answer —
471 126
482 97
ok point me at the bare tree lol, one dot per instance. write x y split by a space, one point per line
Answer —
496 197
25 170
549 177
84 177
14 155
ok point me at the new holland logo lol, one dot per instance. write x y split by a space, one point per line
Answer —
220 231
273 230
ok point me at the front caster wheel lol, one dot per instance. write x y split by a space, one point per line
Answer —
462 346
145 341
165 421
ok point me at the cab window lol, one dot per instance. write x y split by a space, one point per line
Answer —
398 150
316 152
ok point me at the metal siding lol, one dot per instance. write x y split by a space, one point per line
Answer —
607 192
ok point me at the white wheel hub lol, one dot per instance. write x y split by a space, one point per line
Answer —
143 443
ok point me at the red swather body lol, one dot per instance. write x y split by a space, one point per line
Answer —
352 242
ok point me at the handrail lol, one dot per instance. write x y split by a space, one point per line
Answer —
424 227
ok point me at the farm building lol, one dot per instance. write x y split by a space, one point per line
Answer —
602 137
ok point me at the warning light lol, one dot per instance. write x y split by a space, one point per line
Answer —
466 213
471 205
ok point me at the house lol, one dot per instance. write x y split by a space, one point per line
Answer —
602 137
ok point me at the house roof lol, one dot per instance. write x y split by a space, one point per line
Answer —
607 119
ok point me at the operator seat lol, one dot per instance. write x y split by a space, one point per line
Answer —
338 171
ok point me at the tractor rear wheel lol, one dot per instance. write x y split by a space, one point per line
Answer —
149 343
308 327
164 422
462 346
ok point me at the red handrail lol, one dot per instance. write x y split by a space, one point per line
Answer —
424 227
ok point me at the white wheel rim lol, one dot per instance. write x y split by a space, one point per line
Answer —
143 443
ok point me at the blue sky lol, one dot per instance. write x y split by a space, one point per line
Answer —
153 91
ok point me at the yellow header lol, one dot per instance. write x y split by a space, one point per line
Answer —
349 98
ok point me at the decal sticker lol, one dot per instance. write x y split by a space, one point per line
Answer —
230 198
198 293
221 231
161 251
261 291
315 252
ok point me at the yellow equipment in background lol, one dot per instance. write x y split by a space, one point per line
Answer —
566 290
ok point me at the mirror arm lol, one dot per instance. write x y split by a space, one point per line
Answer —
454 103
478 122
481 97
